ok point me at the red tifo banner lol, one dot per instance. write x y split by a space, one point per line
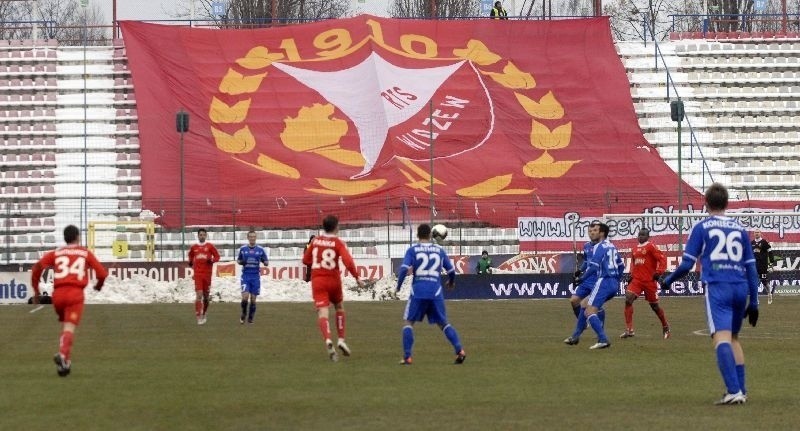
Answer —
344 110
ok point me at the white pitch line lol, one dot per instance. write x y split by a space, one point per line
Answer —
36 309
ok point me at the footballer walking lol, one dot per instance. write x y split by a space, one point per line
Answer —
202 256
71 265
322 255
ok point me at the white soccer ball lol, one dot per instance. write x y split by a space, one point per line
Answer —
439 232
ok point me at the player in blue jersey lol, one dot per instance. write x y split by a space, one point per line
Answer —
728 271
608 266
251 257
584 287
424 261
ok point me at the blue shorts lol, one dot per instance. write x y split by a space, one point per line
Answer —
583 290
251 285
725 305
417 309
604 290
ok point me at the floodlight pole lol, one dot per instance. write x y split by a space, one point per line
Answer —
677 113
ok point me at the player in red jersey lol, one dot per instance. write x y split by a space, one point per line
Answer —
201 258
648 263
72 263
323 254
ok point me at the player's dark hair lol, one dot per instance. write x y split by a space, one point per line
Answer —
202 229
250 231
645 230
603 229
71 234
594 223
330 223
424 231
716 197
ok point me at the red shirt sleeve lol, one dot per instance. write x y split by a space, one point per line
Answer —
99 270
47 261
214 254
191 254
661 259
347 259
307 254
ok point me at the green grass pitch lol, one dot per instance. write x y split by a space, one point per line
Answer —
150 367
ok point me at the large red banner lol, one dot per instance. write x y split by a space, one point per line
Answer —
355 110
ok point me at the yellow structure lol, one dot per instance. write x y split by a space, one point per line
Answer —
120 246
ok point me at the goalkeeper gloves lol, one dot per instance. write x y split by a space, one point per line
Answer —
752 315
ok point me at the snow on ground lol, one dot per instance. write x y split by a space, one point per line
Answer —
143 290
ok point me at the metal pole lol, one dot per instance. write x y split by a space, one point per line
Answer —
680 189
183 210
430 137
85 201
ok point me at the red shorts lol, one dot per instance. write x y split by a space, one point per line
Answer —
68 303
326 291
650 289
202 282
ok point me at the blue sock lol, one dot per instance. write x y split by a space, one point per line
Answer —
252 311
244 308
408 341
452 337
740 375
727 367
580 325
601 313
597 325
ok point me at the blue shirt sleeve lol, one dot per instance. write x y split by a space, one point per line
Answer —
264 258
694 246
408 262
447 264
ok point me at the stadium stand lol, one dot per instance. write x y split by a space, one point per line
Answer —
742 98
64 137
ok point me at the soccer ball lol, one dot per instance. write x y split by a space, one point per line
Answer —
439 232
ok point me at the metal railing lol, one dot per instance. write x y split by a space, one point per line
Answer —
693 142
761 24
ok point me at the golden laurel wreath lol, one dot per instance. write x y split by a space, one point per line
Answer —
316 120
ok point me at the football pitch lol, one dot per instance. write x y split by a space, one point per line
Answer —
150 367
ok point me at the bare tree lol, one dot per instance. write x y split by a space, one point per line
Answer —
440 8
64 20
259 13
650 19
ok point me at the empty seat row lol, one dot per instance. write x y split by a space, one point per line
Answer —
28 127
26 207
28 53
27 175
127 204
129 189
27 113
123 81
124 97
40 96
24 142
27 82
128 157
19 191
126 112
25 223
129 173
28 69
127 127
129 140
43 158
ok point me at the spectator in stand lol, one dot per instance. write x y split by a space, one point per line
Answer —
762 250
484 265
498 12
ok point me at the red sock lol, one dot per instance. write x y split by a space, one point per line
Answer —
340 323
629 317
206 301
198 308
324 327
65 344
662 317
